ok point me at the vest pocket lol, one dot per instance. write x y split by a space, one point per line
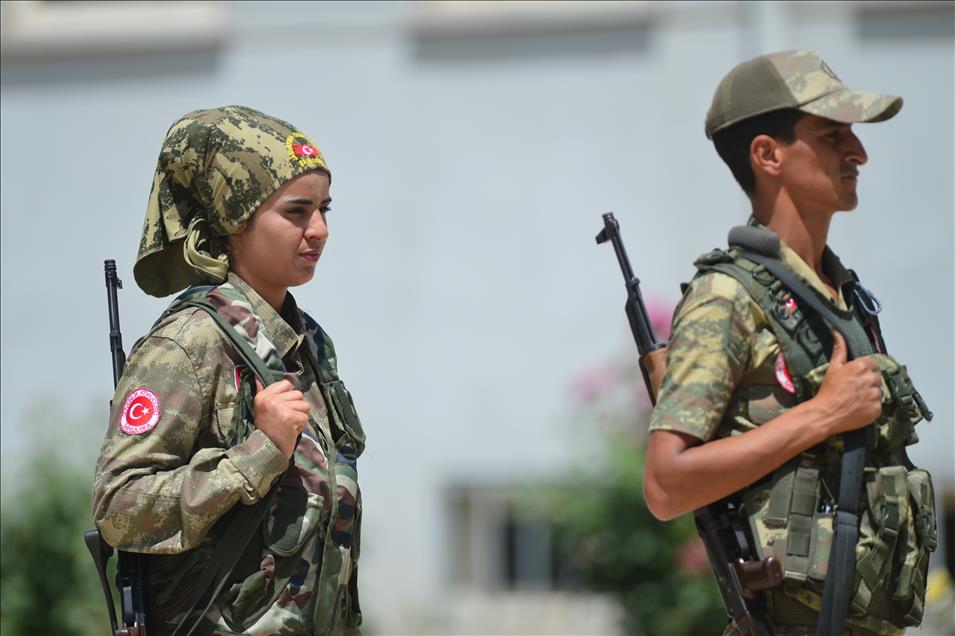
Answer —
886 494
787 523
920 539
341 409
287 527
896 427
333 579
286 530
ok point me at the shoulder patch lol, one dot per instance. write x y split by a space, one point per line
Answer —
140 412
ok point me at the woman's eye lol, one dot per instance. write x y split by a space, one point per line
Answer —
295 211
326 209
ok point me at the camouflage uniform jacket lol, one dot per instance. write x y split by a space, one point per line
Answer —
726 375
162 488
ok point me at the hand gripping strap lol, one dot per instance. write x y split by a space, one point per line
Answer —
244 519
841 569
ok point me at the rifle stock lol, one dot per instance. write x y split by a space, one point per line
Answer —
653 365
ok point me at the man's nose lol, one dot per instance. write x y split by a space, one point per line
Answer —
855 152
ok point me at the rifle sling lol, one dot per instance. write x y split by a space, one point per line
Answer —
101 552
841 569
246 519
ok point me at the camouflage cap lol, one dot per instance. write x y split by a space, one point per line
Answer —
792 79
215 169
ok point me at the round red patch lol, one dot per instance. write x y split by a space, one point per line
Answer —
140 412
782 375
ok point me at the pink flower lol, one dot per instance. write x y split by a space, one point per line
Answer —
691 556
594 382
660 309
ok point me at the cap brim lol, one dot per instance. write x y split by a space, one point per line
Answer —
849 107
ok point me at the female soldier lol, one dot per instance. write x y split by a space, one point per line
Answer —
238 206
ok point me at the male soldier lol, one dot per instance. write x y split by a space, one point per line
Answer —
759 386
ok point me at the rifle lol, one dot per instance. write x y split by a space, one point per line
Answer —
129 566
738 576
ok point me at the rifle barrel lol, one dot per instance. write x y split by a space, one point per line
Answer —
636 309
115 336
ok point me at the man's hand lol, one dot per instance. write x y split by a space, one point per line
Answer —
851 392
682 474
281 412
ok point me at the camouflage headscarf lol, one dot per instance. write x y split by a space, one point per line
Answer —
215 169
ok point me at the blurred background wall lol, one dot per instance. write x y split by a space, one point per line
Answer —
474 147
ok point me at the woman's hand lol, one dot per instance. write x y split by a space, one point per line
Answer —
281 412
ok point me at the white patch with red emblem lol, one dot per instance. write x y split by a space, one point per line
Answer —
237 375
140 412
782 375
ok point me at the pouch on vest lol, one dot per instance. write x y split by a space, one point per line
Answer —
790 514
921 538
337 604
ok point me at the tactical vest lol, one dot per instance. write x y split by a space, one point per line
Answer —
285 520
789 514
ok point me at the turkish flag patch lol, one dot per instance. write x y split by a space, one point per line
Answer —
304 150
140 412
237 375
783 376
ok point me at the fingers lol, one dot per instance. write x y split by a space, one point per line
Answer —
840 352
281 386
282 394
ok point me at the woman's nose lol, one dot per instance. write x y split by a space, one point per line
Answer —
317 229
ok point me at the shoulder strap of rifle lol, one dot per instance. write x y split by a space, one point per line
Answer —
245 520
758 247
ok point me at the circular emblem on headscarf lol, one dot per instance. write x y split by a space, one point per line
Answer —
140 412
303 150
782 375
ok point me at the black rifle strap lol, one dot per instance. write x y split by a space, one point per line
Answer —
101 552
842 562
245 520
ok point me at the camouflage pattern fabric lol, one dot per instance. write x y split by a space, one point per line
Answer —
793 79
719 336
215 169
167 491
723 378
792 630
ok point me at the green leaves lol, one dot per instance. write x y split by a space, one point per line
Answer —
47 577
613 543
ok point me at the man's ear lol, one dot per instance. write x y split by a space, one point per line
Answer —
764 156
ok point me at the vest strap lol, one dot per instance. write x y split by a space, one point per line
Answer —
245 519
841 570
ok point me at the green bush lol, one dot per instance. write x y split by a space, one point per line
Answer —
608 538
47 579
